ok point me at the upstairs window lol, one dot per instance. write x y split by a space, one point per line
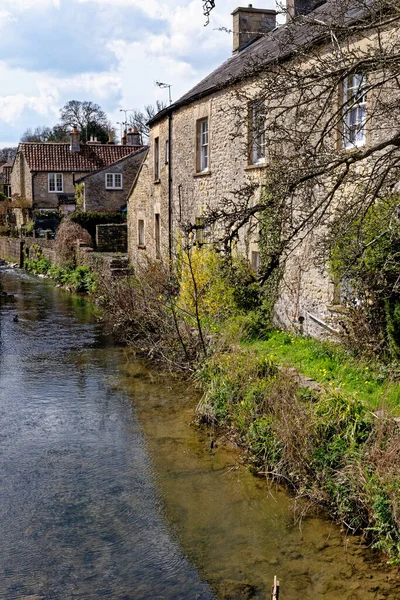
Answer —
257 133
354 110
56 182
114 181
202 145
156 159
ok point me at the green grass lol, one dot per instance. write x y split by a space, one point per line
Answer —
334 367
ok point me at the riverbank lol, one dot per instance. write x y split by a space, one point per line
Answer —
335 440
305 412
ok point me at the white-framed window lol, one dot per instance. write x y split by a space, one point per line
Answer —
257 133
156 159
202 145
113 181
141 239
354 110
56 182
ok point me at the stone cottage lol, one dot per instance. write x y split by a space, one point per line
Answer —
106 190
199 157
44 175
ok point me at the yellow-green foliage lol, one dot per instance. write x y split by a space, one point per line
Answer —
204 284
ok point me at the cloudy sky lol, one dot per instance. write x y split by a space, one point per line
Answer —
107 51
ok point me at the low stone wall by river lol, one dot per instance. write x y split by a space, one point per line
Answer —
11 250
14 250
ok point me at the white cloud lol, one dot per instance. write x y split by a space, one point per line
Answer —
180 54
20 5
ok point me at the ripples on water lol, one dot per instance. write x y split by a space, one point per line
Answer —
79 512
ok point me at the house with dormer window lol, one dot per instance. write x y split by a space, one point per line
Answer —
44 175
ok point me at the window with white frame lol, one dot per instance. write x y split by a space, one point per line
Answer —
56 182
257 133
114 181
354 110
202 145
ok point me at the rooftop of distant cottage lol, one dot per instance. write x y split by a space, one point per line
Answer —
54 157
275 46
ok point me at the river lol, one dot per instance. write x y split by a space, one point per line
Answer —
107 491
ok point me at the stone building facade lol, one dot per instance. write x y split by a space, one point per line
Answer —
44 175
200 156
106 190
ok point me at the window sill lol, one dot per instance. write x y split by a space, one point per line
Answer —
157 181
202 174
254 166
141 247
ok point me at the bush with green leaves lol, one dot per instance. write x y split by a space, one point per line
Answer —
365 258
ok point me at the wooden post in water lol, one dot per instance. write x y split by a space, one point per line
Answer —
275 590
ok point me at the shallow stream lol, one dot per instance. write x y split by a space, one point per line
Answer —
107 491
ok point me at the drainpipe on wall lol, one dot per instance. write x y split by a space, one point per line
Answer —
170 184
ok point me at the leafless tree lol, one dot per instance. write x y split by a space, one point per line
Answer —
140 118
330 105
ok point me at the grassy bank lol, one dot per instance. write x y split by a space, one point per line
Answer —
373 382
329 444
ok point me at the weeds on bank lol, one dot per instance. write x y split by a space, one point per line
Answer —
327 445
76 279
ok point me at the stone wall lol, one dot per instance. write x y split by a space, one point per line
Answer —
42 198
21 181
305 293
112 237
96 198
11 250
47 247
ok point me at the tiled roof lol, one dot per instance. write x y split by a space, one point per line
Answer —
275 46
59 157
136 157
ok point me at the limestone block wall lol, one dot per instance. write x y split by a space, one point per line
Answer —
47 247
112 237
11 250
97 198
42 198
21 180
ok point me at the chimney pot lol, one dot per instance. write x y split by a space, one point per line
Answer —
250 23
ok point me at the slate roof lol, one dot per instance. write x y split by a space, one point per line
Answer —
59 157
275 46
135 154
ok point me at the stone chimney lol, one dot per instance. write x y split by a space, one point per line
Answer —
110 140
249 24
75 140
133 137
301 7
124 139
